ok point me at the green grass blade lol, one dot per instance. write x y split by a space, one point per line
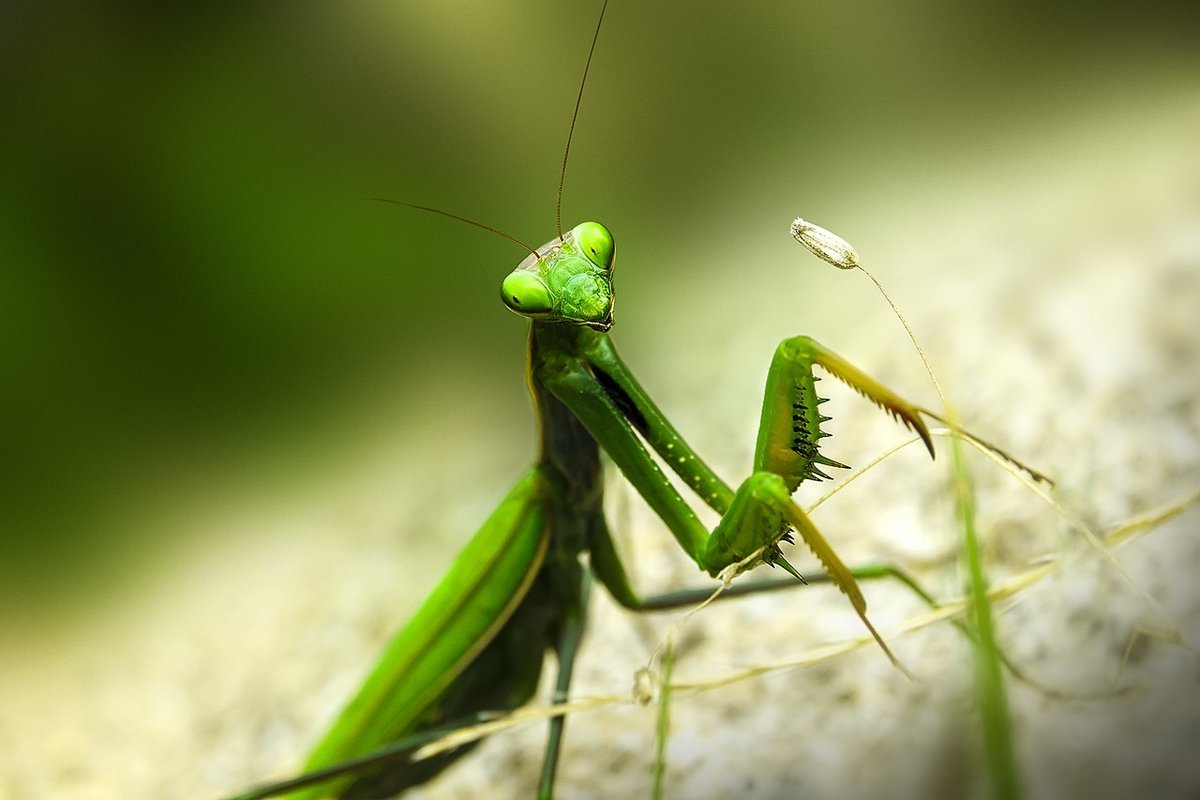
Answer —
663 727
989 677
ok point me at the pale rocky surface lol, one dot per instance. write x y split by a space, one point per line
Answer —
1060 309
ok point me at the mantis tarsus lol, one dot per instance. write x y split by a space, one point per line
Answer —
520 587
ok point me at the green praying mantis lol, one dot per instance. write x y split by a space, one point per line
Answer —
520 587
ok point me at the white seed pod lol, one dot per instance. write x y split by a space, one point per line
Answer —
825 245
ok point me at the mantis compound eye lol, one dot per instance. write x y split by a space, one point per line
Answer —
595 242
525 293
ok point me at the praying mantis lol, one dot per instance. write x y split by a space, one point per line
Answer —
520 587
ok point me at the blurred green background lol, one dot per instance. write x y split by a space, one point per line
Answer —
200 304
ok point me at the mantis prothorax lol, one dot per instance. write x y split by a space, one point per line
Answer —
520 586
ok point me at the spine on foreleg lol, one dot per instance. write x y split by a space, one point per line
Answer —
807 433
790 434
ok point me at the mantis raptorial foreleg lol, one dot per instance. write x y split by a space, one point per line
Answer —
610 404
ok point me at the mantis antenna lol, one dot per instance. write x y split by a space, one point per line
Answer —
562 176
496 231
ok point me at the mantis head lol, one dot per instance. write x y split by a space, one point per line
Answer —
568 279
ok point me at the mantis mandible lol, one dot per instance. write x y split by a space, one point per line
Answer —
520 587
